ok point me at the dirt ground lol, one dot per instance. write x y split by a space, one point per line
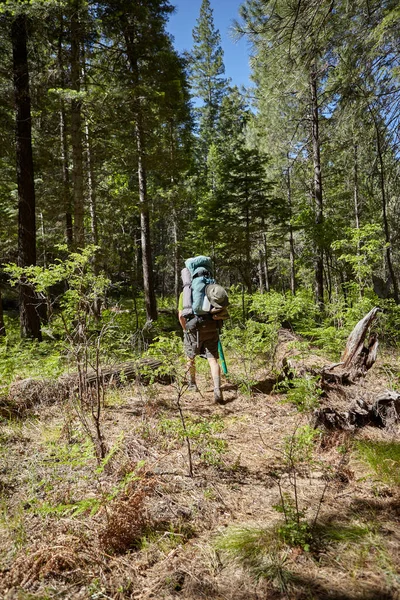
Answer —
139 526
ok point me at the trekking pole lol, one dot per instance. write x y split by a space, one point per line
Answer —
222 358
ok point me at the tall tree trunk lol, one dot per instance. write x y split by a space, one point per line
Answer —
147 260
91 179
291 238
66 183
389 262
260 271
357 212
76 128
64 153
248 239
91 186
29 318
176 256
317 192
328 274
266 269
175 227
2 326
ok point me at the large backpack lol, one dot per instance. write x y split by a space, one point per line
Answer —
196 276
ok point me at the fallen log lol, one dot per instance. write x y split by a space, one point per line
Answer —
126 371
24 394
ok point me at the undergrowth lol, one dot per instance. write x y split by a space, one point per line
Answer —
383 458
203 432
303 392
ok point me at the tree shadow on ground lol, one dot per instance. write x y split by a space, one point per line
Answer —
302 588
386 507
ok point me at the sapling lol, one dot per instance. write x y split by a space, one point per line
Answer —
78 314
173 365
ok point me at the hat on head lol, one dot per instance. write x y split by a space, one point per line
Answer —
217 295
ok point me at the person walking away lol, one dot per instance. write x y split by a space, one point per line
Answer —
201 336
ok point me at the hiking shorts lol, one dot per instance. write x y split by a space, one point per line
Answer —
202 341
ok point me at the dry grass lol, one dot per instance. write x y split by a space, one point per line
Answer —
71 530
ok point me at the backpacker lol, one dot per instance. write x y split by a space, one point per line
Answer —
197 303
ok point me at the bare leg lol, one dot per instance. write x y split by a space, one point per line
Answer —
216 375
191 372
215 368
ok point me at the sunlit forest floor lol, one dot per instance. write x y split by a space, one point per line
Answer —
274 509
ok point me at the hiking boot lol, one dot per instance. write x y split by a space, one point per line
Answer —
192 386
218 396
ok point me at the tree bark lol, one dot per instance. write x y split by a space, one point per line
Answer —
64 153
2 326
260 271
76 129
291 239
317 192
357 211
91 187
384 215
147 260
176 257
266 269
29 318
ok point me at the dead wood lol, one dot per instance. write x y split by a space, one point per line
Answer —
383 411
24 394
346 403
357 357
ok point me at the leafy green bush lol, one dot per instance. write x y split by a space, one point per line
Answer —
168 350
251 344
303 392
331 340
300 310
239 304
299 447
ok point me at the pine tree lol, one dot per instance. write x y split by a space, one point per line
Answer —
238 201
29 318
208 83
293 39
139 31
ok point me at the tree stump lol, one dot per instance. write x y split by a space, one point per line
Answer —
346 403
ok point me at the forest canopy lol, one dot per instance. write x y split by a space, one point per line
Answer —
111 138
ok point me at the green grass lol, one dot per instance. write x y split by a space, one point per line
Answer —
341 533
259 550
383 458
28 358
